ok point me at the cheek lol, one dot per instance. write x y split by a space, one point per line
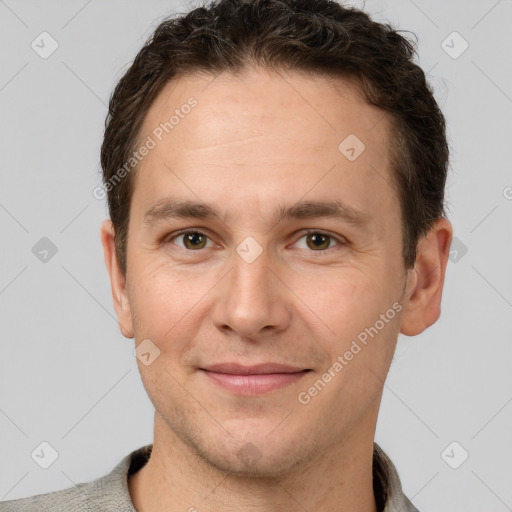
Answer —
157 301
358 341
349 304
345 300
166 304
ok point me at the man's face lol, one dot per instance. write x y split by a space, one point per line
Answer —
253 286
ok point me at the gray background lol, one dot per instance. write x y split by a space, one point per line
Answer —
67 375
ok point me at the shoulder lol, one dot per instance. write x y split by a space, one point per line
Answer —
108 493
387 486
72 499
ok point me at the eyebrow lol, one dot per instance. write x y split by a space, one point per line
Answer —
170 208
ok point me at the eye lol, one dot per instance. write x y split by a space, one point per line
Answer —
192 240
318 241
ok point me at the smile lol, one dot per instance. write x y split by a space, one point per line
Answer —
253 384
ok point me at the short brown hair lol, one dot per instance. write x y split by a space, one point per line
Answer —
319 36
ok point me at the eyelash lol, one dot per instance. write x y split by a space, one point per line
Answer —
339 242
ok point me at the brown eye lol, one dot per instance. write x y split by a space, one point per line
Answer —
194 240
191 240
317 241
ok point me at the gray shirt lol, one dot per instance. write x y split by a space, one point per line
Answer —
110 493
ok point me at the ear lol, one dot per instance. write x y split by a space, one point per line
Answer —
117 280
424 288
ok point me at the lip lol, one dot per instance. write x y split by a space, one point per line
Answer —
253 380
258 369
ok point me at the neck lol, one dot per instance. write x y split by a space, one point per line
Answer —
177 479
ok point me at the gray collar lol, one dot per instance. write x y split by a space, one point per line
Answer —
386 482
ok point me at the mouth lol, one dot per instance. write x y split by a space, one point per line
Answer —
253 380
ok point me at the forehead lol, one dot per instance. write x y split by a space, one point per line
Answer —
261 132
317 109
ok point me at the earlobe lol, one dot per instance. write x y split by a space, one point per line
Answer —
422 302
117 280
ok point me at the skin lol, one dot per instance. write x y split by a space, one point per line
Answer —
256 142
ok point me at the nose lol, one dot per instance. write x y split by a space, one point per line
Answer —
252 301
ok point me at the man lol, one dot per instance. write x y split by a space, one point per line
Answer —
275 174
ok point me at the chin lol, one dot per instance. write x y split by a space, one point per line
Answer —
254 455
